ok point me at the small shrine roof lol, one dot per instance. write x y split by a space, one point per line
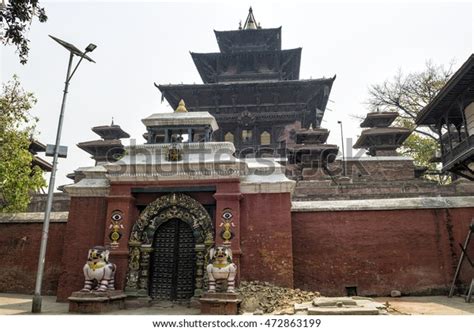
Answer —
365 140
43 164
379 119
108 132
36 146
312 135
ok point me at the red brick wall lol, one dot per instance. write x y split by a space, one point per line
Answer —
265 234
85 229
414 251
19 251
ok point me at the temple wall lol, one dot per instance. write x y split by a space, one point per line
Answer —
20 236
85 229
409 245
266 241
414 251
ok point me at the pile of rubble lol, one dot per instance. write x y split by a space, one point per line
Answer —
266 298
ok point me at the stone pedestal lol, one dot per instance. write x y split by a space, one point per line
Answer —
220 303
96 302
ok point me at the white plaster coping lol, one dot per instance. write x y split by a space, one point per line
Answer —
190 148
178 118
36 217
384 204
181 176
95 184
147 162
265 176
375 158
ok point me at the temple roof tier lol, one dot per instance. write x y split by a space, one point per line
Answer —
110 132
249 40
312 94
382 138
379 119
248 66
312 136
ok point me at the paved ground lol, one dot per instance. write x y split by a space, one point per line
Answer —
432 305
11 304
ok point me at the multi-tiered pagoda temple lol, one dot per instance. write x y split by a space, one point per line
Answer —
252 88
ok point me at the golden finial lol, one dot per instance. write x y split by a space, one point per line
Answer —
181 107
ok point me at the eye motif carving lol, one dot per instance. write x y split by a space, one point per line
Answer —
115 228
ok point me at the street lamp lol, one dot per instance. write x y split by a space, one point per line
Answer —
343 153
73 50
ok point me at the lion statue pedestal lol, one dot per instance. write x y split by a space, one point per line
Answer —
220 299
98 294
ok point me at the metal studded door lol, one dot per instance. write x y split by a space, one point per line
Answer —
173 262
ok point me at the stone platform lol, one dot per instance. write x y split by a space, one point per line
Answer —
220 303
339 306
96 302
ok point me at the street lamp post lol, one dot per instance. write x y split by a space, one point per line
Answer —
37 299
343 152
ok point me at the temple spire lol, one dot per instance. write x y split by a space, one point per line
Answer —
250 22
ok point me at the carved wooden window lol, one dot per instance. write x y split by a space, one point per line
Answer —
246 135
229 137
265 138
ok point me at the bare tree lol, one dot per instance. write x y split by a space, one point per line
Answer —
408 94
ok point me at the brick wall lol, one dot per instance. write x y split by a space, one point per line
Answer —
85 229
266 243
19 251
414 251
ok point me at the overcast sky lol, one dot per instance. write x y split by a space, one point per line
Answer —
144 42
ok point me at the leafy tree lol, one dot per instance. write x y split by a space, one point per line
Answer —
15 19
408 94
17 178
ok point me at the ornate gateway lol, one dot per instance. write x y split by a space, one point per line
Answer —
168 249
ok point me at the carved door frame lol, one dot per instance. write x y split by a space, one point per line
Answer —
163 209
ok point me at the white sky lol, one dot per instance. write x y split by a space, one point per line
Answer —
144 42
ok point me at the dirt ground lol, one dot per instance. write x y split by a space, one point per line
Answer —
12 304
429 305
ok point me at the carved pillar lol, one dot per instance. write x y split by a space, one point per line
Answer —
201 251
131 284
121 214
228 201
144 270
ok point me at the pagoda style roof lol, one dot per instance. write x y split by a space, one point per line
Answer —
290 91
312 147
461 83
249 40
42 164
36 146
93 146
379 119
110 132
310 94
253 65
312 136
181 119
382 137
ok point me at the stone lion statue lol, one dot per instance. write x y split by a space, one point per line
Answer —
221 268
99 273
